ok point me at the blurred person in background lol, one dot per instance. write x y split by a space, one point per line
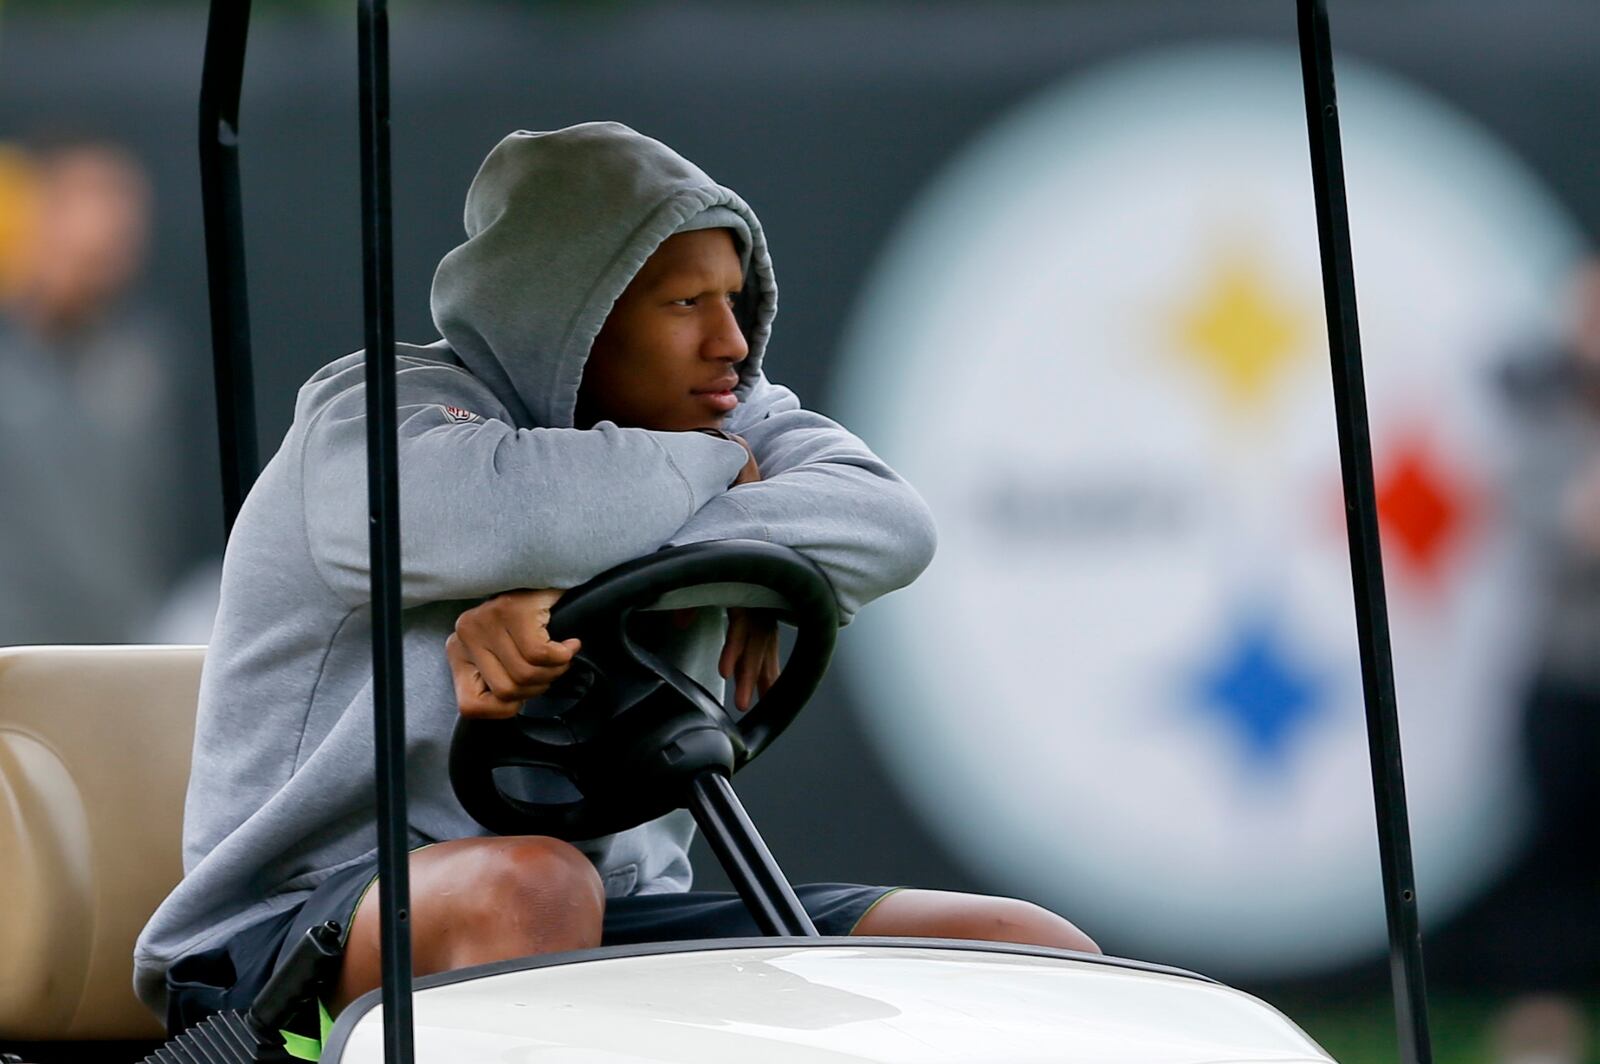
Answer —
1546 930
86 421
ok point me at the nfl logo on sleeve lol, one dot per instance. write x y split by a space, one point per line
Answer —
460 416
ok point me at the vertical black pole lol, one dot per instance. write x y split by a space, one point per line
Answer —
383 500
1361 517
220 81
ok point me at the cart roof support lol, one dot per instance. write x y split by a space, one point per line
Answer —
1361 527
220 81
383 502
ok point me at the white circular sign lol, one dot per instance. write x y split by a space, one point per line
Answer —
1128 685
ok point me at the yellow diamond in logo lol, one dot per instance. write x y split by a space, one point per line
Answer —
1241 329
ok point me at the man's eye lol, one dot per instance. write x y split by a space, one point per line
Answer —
686 301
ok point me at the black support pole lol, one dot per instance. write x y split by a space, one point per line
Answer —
383 500
746 859
221 78
1361 517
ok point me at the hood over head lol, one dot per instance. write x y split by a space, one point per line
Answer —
558 224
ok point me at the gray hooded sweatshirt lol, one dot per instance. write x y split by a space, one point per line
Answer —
498 490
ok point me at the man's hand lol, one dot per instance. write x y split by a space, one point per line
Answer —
750 656
501 654
751 471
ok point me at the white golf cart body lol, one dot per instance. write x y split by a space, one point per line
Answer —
801 1001
94 752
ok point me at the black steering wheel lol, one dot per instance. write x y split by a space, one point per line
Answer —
616 740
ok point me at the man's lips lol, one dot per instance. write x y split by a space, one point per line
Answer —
727 384
719 396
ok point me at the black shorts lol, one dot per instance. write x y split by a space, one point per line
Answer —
231 975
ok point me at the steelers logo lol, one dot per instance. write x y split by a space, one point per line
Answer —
1128 686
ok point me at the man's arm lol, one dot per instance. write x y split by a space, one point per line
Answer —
485 506
824 493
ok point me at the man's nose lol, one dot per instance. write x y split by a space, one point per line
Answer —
727 341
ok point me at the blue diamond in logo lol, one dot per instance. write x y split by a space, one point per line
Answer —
1261 691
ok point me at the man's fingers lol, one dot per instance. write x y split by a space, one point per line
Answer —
531 638
770 668
750 654
733 647
475 699
466 680
500 654
546 662
516 682
453 652
742 686
487 707
490 626
552 654
757 670
515 626
473 696
751 664
506 639
530 681
493 673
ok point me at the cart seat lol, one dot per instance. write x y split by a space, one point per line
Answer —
94 760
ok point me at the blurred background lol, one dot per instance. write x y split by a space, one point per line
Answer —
1057 262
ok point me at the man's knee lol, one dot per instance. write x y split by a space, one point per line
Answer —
1014 920
532 891
944 914
477 901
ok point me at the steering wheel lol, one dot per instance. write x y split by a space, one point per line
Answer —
616 741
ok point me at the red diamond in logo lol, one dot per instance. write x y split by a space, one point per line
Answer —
1423 508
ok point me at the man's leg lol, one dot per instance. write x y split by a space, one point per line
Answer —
475 901
946 914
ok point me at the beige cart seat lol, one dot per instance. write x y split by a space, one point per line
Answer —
94 759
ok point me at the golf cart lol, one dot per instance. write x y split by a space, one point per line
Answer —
88 734
95 774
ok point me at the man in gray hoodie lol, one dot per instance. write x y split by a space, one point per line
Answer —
610 301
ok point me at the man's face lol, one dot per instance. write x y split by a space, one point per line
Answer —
667 357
